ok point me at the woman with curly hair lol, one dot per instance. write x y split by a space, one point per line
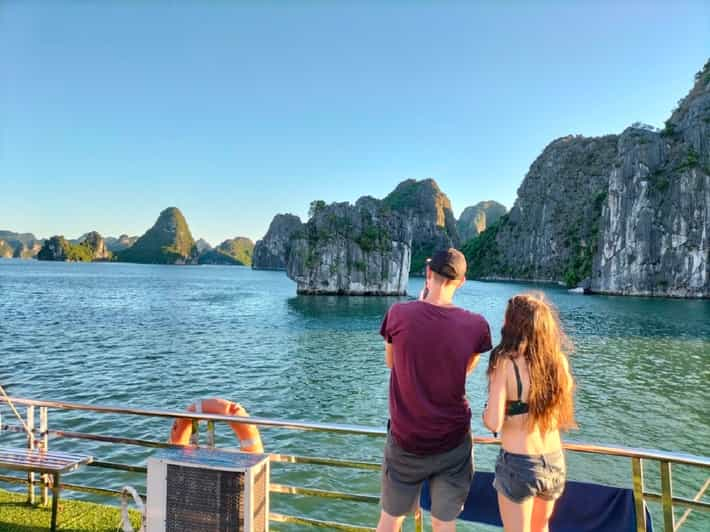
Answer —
530 400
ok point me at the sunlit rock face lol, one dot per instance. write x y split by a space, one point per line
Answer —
656 222
477 218
119 244
96 243
361 249
620 214
428 210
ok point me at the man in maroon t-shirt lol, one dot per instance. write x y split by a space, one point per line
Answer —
431 346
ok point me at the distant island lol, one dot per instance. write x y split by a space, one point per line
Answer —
168 241
19 245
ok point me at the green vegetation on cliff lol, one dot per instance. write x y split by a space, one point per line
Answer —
429 212
59 248
485 259
405 196
169 241
241 248
237 251
482 253
581 258
80 252
374 238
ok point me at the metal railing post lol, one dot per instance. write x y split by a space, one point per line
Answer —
637 475
667 497
44 444
418 521
210 434
31 446
195 436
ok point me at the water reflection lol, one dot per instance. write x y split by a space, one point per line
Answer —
339 307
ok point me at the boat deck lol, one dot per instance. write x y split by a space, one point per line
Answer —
673 509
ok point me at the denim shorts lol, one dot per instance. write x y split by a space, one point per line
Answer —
449 475
521 476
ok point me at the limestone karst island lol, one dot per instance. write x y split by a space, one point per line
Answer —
624 214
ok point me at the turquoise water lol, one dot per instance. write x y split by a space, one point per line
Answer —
161 336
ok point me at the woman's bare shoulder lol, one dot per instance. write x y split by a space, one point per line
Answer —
501 364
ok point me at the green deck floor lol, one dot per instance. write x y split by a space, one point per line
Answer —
74 516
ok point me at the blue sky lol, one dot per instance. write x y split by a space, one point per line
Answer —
234 111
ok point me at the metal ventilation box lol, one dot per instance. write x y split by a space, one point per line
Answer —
207 490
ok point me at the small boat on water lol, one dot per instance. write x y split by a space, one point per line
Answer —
595 507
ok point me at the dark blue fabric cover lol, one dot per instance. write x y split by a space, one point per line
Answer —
583 507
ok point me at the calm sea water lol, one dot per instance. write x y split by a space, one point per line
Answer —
161 336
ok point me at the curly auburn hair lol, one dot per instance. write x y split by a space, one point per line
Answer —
532 330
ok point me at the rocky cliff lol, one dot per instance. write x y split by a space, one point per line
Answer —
237 251
119 244
23 245
95 242
169 241
655 236
474 220
59 248
361 249
12 238
6 250
202 245
429 212
622 214
54 248
271 252
552 230
28 251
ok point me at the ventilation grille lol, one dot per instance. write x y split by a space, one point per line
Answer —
204 499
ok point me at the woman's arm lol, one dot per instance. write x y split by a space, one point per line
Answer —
389 355
494 414
568 373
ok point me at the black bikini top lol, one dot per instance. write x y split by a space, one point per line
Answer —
517 407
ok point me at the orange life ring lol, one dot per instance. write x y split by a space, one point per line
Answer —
248 435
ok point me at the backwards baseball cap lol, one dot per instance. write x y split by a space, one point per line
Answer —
449 263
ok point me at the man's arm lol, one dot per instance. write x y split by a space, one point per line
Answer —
472 363
389 355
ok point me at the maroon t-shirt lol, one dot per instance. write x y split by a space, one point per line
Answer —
432 345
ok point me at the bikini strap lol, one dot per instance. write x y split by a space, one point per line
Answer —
517 378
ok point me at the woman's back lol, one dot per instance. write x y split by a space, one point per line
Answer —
530 399
516 434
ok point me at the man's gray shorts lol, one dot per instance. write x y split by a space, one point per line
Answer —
449 474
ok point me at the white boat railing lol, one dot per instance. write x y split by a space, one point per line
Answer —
40 439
